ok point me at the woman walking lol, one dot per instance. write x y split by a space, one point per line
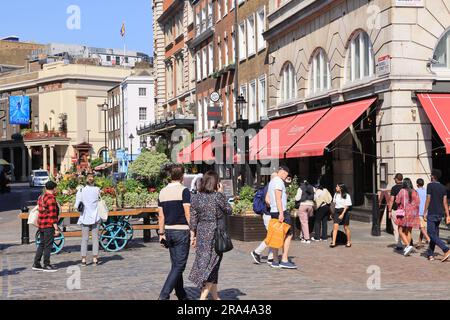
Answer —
343 203
89 220
208 209
408 203
322 201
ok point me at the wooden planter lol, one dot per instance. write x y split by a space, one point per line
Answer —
246 228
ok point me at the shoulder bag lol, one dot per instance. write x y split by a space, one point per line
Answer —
33 217
400 213
103 211
222 241
81 204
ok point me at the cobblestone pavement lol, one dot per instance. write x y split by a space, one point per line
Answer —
139 271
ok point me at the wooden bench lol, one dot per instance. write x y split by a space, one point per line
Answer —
146 213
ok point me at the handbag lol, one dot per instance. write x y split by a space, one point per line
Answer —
33 217
81 204
222 240
276 234
103 211
400 213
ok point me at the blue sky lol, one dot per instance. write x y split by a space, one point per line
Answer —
45 21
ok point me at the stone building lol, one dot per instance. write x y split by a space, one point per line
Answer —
358 90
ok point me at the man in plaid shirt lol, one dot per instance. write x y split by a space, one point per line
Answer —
48 227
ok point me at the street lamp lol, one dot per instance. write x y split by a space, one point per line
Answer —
240 102
131 137
240 124
104 108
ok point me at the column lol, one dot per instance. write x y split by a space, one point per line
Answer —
11 152
30 160
52 161
24 165
44 154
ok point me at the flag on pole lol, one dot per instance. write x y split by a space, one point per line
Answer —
122 30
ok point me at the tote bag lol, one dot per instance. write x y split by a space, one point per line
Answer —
276 234
222 240
103 211
33 217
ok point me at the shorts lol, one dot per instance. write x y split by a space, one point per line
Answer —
423 223
287 220
343 222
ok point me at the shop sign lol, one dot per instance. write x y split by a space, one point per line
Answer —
409 3
384 65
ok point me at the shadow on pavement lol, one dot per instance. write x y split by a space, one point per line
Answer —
227 294
12 272
7 245
102 261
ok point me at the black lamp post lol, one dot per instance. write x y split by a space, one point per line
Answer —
241 124
131 137
104 108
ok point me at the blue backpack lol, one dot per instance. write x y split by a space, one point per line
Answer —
259 201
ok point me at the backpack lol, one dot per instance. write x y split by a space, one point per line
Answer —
259 201
307 193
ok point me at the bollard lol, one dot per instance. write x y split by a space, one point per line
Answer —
25 228
376 228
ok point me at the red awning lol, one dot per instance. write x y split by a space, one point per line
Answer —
188 154
331 126
207 154
290 134
262 139
437 107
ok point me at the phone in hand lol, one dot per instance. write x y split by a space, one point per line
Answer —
165 244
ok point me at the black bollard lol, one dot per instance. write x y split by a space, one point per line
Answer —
376 228
25 228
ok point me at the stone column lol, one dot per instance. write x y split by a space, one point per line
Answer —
11 152
44 154
52 161
24 165
30 160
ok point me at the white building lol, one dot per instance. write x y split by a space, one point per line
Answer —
131 105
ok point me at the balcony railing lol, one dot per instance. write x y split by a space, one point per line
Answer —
44 135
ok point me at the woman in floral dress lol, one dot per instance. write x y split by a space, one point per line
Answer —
408 200
208 209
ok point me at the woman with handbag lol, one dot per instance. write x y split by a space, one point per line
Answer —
87 200
407 214
208 210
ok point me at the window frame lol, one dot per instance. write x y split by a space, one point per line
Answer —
289 86
262 98
251 35
242 44
356 63
252 101
143 115
320 74
260 37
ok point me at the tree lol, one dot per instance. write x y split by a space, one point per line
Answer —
63 122
148 167
45 128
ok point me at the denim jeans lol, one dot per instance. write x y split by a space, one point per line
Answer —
433 232
45 246
179 242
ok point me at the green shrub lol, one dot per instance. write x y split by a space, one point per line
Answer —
132 200
133 186
148 168
247 193
242 206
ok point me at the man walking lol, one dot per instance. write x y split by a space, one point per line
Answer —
278 210
174 216
267 217
435 207
422 192
393 207
48 227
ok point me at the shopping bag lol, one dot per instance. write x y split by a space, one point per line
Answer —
34 216
103 211
276 234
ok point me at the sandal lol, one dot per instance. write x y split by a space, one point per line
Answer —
332 245
95 262
349 245
83 263
431 258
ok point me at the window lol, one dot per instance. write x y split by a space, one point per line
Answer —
225 109
199 116
242 42
233 45
179 74
205 114
442 52
219 10
320 73
210 15
361 58
243 112
142 92
203 20
211 58
198 62
288 83
117 60
198 23
251 35
261 28
4 129
252 117
227 58
232 5
205 65
225 7
127 60
240 2
142 114
169 80
219 54
262 104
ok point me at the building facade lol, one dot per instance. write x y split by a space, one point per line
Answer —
357 69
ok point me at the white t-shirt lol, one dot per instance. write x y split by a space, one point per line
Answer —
277 184
342 203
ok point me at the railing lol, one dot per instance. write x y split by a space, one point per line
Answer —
44 135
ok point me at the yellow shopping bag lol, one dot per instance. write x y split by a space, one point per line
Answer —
276 234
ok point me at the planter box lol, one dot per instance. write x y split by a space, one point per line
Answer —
246 228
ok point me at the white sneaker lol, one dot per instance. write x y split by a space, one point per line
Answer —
315 240
306 241
408 251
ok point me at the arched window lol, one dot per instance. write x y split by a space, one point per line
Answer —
442 52
288 83
320 79
361 61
